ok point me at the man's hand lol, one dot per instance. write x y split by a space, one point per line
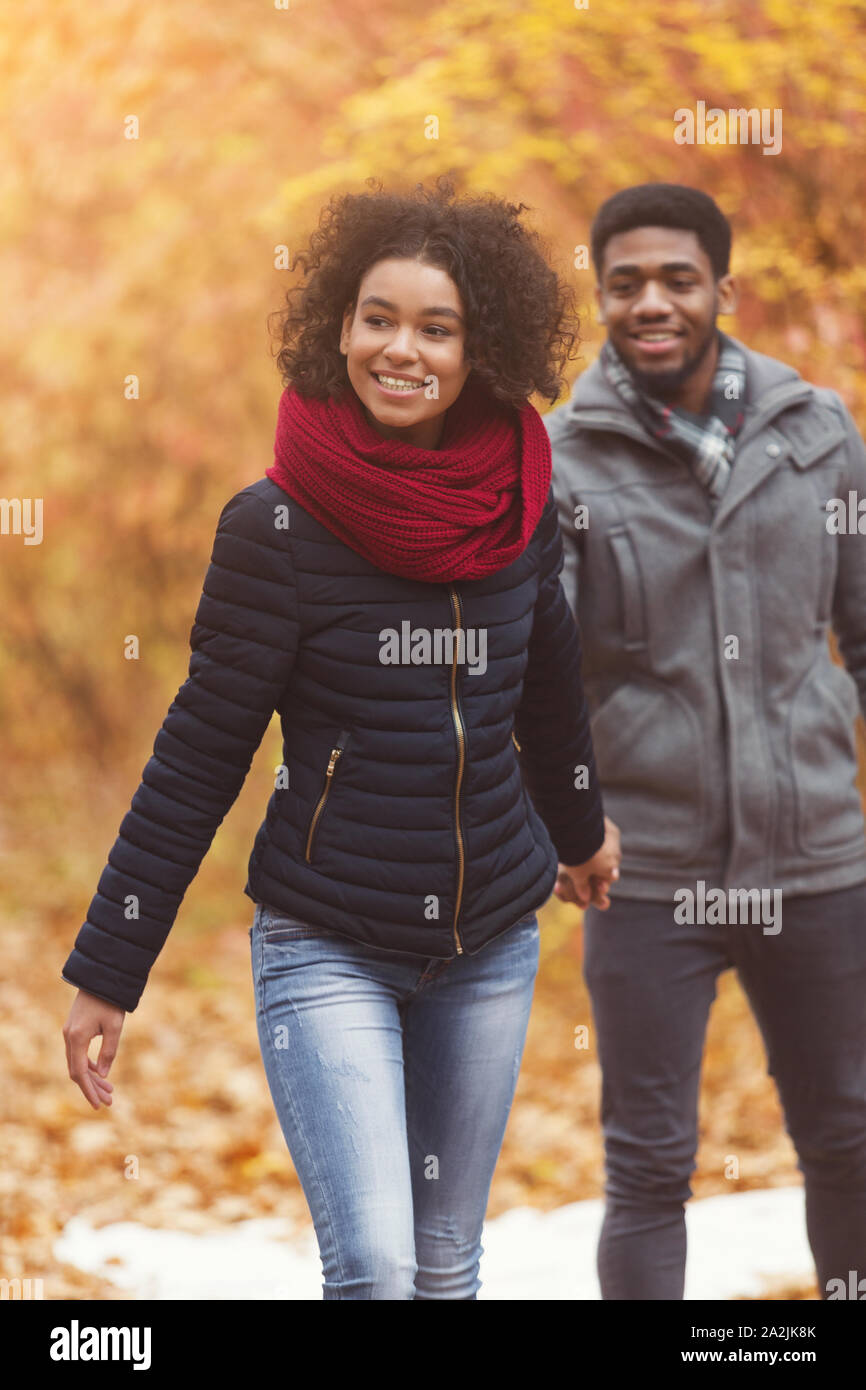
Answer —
586 884
89 1018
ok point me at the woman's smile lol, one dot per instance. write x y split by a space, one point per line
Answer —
391 385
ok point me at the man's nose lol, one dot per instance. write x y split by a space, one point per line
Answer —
653 299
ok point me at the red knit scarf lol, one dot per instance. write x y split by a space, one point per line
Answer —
462 511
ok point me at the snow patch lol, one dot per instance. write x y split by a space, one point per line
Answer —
739 1245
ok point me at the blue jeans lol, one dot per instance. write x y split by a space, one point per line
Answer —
652 982
392 1076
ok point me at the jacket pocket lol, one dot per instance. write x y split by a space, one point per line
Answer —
823 753
648 751
319 808
632 602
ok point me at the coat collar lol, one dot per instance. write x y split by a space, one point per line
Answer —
771 388
592 393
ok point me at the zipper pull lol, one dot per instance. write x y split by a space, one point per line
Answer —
336 751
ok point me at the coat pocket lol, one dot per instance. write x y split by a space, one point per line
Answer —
319 808
823 755
632 600
648 751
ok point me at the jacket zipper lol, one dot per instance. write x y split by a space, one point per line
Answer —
336 752
514 740
461 758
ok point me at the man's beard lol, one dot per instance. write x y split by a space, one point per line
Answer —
667 383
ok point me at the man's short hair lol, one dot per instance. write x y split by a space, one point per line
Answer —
664 205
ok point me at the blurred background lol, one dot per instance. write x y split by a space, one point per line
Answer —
158 256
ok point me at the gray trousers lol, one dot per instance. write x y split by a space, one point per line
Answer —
651 982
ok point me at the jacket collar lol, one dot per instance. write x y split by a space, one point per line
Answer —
593 396
771 387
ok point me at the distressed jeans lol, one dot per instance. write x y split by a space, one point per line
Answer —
392 1076
651 982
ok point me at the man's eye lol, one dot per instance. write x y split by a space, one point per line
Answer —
682 284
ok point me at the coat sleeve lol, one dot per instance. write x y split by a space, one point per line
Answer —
570 577
849 597
552 723
243 644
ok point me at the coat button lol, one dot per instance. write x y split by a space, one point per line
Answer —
773 450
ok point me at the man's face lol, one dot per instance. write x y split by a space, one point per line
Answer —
659 299
407 327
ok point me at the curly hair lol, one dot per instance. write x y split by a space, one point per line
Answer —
521 320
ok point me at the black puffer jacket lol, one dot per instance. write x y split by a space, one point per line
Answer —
401 816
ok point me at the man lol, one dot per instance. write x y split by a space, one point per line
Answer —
700 488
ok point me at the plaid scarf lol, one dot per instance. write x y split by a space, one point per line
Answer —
705 442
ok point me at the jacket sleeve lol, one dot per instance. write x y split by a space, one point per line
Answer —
552 723
849 597
570 577
243 644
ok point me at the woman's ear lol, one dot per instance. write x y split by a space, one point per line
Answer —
348 316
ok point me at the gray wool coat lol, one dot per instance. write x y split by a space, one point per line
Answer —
724 732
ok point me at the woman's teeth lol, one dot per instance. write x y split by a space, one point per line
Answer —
395 384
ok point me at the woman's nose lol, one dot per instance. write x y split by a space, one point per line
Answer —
401 345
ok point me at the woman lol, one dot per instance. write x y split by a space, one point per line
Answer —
390 587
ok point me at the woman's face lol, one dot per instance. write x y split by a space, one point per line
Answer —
407 326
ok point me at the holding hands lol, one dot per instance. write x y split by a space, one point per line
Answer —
586 884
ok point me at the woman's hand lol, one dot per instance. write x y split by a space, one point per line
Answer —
89 1018
588 883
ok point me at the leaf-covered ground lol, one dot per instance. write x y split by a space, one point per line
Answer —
193 1118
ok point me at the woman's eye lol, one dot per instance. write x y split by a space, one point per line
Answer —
375 320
